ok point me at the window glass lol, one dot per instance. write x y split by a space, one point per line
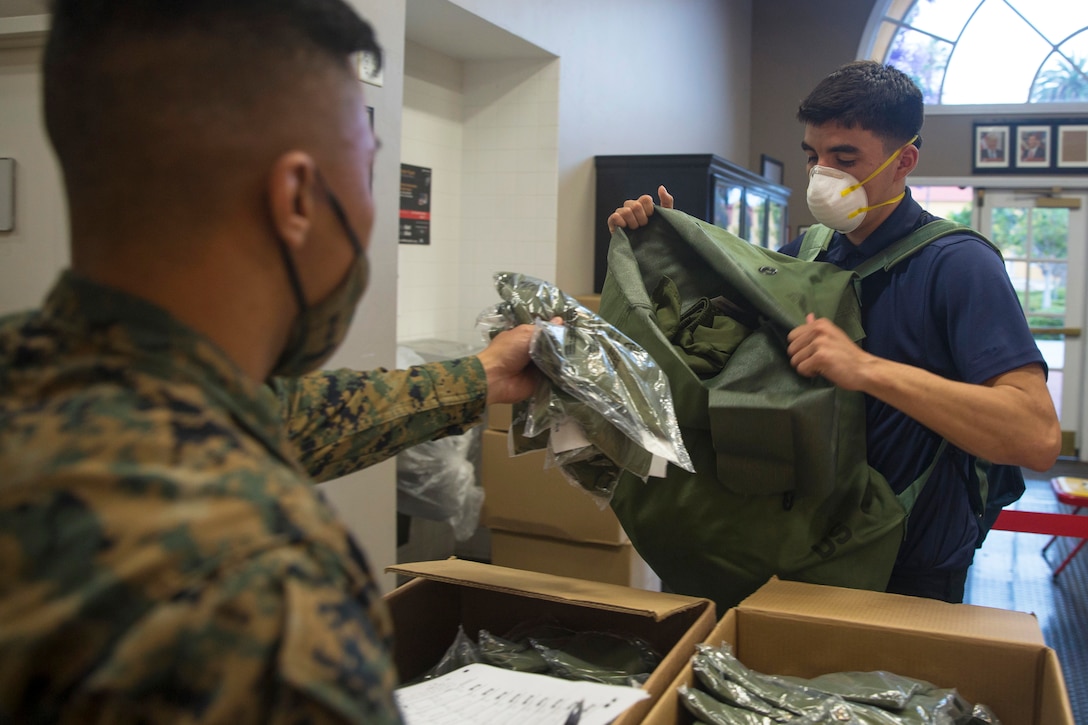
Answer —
1061 80
945 19
922 57
1055 19
987 51
982 70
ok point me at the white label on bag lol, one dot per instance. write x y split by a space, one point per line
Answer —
567 436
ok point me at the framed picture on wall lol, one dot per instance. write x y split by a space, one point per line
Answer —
1033 147
991 147
771 169
1072 146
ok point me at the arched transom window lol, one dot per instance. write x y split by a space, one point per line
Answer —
986 51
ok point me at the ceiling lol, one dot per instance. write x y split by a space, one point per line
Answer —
15 8
437 24
455 32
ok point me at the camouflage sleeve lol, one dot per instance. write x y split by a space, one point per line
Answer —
279 640
341 421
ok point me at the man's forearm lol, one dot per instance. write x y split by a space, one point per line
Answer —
1009 419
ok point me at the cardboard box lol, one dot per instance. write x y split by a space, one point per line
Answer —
442 595
613 564
991 656
499 416
590 302
521 496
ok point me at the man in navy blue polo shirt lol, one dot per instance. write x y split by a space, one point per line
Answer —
947 353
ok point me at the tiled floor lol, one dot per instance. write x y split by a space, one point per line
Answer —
1010 573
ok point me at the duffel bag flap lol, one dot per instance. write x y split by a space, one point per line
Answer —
774 431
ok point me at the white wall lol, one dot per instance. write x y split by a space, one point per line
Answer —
34 252
635 76
367 500
511 175
432 135
488 131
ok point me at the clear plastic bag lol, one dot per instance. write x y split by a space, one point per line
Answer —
596 382
461 652
436 480
547 648
730 692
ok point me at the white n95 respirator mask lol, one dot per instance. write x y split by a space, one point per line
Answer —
838 200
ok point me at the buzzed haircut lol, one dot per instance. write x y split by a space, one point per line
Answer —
876 97
152 88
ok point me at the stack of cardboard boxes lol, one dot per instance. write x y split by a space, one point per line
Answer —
539 521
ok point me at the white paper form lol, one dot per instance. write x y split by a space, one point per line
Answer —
483 695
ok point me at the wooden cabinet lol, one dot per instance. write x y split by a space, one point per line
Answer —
703 185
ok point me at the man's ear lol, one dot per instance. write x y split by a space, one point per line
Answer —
292 183
908 160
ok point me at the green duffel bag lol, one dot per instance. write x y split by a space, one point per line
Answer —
782 486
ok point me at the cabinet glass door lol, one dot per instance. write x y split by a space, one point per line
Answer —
776 225
756 233
727 206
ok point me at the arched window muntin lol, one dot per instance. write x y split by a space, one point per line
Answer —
1046 52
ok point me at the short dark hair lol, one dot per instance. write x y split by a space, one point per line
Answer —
877 97
145 87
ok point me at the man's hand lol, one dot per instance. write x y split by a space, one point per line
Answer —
1007 419
820 347
511 376
636 212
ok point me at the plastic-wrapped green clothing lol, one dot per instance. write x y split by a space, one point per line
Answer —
713 679
593 376
605 657
884 689
710 710
733 693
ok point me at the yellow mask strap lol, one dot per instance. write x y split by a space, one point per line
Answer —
880 168
864 209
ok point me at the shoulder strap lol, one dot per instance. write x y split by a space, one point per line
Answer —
914 241
816 240
910 494
817 237
890 257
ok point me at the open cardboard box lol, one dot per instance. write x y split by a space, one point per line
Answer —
444 594
524 497
615 564
991 656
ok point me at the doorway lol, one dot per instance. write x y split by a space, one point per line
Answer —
1042 235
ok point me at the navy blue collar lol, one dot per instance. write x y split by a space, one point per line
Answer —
907 216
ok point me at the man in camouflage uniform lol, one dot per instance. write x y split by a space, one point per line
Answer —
164 556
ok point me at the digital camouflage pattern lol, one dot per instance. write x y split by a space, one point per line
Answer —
164 556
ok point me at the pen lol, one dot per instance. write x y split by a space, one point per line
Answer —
575 714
